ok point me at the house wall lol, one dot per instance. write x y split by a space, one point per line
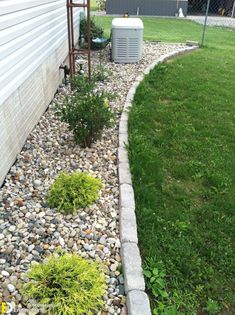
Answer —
33 44
146 7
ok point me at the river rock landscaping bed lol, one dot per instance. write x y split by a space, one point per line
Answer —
30 231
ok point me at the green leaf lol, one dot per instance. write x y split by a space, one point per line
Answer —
155 272
147 273
161 282
152 279
164 294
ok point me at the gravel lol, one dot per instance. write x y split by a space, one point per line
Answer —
214 20
30 231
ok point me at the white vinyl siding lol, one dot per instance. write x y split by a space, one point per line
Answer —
29 32
33 44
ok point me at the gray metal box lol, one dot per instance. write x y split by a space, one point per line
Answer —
127 40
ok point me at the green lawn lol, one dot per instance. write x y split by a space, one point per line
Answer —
182 154
173 30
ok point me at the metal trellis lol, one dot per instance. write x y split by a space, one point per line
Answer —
73 51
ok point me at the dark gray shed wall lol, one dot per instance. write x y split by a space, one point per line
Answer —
146 7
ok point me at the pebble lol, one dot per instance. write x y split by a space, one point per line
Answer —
112 281
11 288
102 240
87 247
121 289
111 240
5 273
121 279
37 183
70 242
31 247
33 311
106 250
61 241
12 228
2 261
9 249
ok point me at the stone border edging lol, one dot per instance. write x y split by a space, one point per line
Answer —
137 299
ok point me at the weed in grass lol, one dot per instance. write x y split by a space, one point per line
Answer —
212 307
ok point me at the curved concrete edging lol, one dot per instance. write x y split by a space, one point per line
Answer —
137 299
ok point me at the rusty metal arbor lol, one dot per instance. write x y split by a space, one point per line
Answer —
73 51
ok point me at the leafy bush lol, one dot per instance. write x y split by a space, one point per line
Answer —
101 73
71 285
87 113
96 31
101 4
82 84
72 191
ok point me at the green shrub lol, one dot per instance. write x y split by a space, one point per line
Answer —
96 31
82 84
101 4
71 285
70 192
101 73
87 115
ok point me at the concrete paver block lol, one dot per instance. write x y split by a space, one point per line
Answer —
122 155
124 173
127 199
128 226
131 259
138 303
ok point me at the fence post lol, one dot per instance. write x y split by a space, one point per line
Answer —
205 23
233 10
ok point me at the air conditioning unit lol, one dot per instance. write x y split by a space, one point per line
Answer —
127 40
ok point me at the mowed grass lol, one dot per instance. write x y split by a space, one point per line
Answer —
182 155
176 30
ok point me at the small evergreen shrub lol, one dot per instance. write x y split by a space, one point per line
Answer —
69 284
87 115
70 192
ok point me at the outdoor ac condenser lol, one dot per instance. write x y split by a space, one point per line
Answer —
127 40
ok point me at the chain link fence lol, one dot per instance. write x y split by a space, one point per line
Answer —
225 8
216 8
